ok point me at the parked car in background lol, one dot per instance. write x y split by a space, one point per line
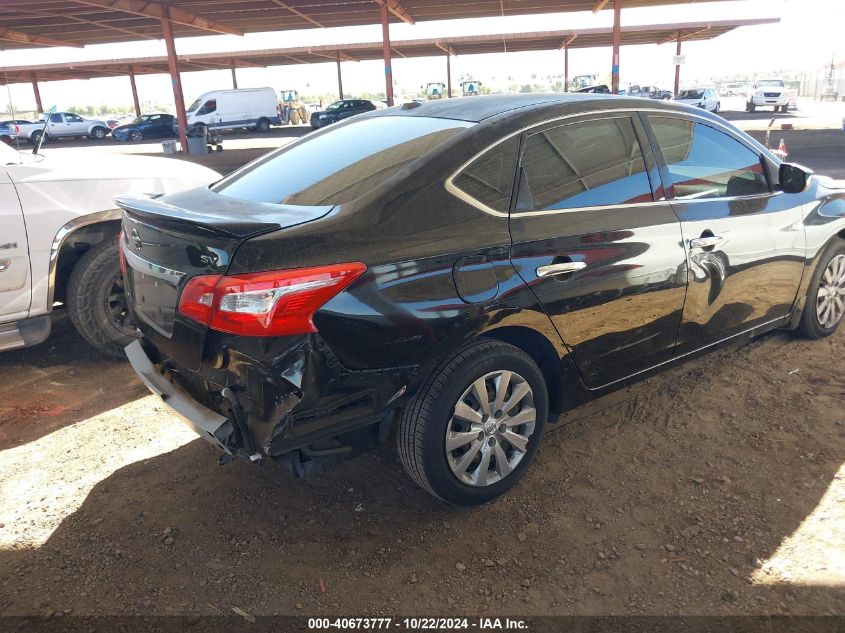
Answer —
732 89
58 240
467 273
768 93
8 132
648 92
146 126
340 110
64 125
599 89
252 108
704 98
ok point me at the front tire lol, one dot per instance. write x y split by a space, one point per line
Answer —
99 133
475 426
96 300
824 307
136 135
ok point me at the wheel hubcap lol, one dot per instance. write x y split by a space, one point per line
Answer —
830 303
491 424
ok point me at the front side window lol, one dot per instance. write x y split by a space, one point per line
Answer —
489 178
585 164
342 164
706 163
209 107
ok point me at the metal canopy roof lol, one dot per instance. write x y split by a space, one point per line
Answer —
29 23
476 44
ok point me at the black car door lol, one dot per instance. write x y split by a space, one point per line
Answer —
745 241
597 243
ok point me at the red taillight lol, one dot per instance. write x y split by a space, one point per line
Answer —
120 252
273 303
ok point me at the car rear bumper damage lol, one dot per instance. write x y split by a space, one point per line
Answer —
209 425
304 408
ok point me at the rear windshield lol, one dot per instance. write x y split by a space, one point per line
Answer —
340 165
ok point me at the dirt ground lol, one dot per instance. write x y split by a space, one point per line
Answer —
717 487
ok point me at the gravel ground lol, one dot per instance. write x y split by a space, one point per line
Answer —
716 487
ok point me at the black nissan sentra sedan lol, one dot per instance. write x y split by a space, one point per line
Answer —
466 270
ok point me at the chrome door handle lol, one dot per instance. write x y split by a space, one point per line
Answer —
4 264
706 242
565 268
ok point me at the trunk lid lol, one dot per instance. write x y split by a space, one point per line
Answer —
167 241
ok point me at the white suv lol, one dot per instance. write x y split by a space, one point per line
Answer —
767 92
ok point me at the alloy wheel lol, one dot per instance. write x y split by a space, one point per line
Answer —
117 307
830 301
488 434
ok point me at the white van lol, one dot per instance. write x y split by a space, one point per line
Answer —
253 108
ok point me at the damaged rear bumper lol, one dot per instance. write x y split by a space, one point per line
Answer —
209 425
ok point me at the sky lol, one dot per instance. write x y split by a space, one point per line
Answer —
810 32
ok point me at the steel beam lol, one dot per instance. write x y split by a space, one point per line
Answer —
298 13
339 78
385 41
600 4
449 75
37 92
150 9
11 35
565 46
678 66
175 78
617 42
134 92
396 8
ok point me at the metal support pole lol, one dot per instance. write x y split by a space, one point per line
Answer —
175 78
37 92
449 75
134 92
565 67
234 76
385 39
678 68
617 42
339 79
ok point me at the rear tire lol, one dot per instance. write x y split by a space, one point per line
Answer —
431 419
36 136
263 125
752 107
824 306
96 301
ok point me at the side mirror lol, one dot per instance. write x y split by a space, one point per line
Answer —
794 178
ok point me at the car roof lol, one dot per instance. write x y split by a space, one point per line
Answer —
477 109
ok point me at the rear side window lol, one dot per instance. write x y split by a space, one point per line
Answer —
489 178
341 164
706 163
585 164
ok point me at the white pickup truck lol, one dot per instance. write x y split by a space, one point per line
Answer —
58 242
63 125
768 93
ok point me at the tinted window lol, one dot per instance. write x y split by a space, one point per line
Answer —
56 118
592 163
706 163
342 164
489 178
209 107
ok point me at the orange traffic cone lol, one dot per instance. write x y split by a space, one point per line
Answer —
782 149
